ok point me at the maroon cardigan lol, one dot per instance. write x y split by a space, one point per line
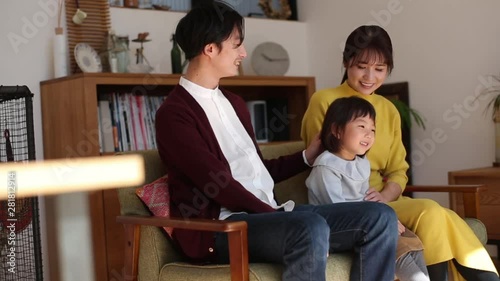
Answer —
200 179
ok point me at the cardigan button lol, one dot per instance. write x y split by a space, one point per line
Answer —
211 250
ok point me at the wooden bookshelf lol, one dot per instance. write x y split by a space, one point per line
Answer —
70 129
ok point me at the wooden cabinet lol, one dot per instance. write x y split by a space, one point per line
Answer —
70 129
489 200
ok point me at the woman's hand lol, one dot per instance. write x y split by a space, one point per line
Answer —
314 150
389 193
374 196
401 228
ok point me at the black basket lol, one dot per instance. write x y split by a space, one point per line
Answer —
20 246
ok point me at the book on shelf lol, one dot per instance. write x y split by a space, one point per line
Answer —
106 127
126 121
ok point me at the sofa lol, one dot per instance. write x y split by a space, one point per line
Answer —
151 256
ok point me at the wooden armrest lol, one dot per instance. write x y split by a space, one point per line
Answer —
237 235
470 195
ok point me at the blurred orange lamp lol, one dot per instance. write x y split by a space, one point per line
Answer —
33 178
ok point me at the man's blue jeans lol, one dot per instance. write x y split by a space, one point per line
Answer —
301 239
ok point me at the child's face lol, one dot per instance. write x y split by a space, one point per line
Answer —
357 138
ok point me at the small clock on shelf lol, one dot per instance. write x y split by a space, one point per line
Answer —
270 58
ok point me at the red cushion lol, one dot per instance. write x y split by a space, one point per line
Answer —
157 198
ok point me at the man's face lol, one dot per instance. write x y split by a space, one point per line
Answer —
230 56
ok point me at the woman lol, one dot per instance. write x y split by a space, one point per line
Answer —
368 61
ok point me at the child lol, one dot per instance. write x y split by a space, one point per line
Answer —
341 173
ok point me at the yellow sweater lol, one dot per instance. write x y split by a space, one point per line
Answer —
444 234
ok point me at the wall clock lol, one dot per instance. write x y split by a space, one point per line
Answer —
270 58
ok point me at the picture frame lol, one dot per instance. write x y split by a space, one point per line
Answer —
250 8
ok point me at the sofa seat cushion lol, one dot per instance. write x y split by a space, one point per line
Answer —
479 229
338 268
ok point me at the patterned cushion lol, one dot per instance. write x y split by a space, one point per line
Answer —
156 197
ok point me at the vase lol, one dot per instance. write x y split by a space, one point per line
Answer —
496 119
175 57
60 54
122 53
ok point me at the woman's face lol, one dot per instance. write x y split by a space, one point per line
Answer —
366 75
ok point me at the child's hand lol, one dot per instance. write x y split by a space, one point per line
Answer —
401 228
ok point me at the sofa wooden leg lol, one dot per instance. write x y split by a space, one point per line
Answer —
132 241
238 255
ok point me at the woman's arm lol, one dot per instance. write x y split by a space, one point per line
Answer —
313 118
389 193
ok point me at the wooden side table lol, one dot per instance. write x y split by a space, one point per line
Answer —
489 199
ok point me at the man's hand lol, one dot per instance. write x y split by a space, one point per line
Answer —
314 150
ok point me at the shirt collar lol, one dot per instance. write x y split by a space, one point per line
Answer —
197 90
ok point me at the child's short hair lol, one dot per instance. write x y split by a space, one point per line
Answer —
339 113
209 22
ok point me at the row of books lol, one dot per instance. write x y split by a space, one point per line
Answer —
126 121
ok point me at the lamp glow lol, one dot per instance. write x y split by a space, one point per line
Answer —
69 175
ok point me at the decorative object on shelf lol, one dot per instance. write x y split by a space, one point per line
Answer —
115 52
142 64
87 58
79 14
175 56
267 7
160 7
122 53
270 58
131 3
93 31
493 92
116 3
60 53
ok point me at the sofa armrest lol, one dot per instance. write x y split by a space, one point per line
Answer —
237 235
470 195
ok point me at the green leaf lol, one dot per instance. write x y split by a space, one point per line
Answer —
494 103
407 113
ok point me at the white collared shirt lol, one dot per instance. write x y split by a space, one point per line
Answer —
237 146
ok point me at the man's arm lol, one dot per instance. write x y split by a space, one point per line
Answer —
181 142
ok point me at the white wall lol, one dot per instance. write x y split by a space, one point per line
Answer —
440 48
161 25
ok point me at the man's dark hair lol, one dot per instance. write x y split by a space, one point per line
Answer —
339 113
209 22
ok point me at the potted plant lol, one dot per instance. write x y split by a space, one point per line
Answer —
407 114
494 106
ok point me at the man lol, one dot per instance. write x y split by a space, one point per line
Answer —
224 177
